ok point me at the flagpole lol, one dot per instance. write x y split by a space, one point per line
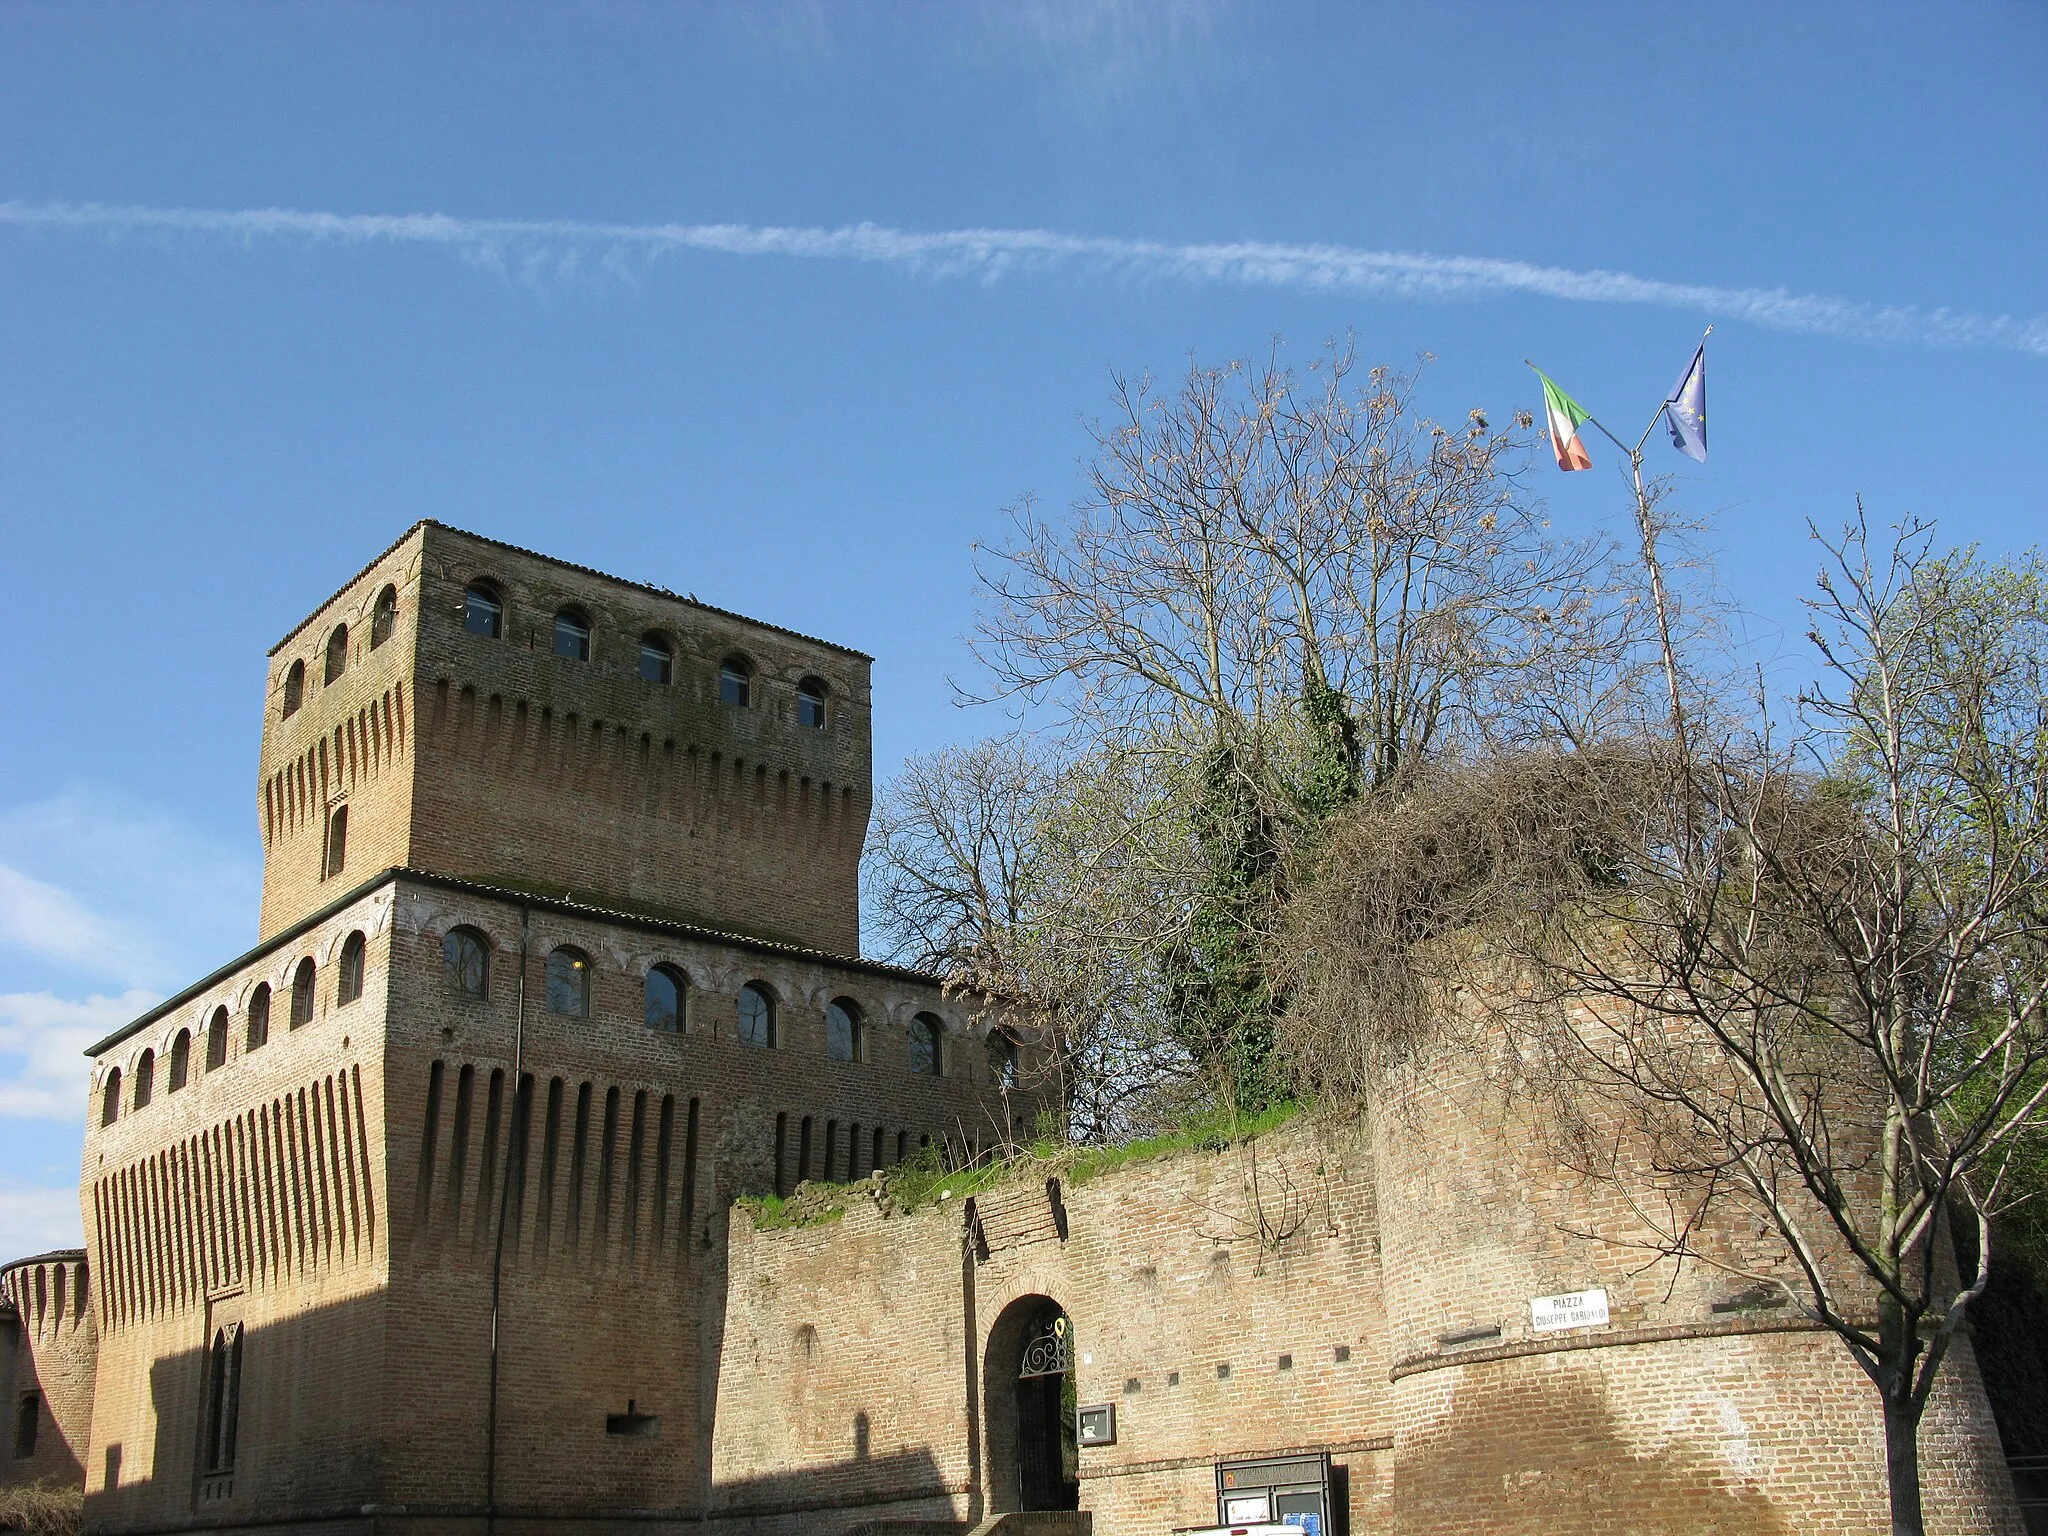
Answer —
1646 529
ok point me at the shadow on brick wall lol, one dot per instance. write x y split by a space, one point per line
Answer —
1529 1452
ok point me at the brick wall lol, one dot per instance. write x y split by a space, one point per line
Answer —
335 1193
49 1343
1212 1296
500 761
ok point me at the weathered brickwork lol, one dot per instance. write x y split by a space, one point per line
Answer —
1238 1304
336 1191
419 1217
498 760
49 1344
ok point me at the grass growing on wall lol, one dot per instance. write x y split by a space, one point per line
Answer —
923 1179
41 1509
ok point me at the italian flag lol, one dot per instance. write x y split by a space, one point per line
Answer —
1565 414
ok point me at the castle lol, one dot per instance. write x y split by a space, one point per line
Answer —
419 1217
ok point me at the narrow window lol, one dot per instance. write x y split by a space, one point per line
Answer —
842 1030
335 851
145 1079
110 1098
831 1149
259 1018
736 681
350 986
657 659
294 689
781 1151
337 654
902 1145
302 993
482 611
878 1155
27 1417
665 992
384 619
569 983
223 1398
757 1015
466 962
803 1150
217 1040
925 1048
810 703
1002 1059
181 1059
572 634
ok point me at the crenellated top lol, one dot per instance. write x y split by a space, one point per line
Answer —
48 1292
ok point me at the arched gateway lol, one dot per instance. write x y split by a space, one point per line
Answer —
1029 1407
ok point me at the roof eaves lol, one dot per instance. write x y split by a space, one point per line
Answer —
646 586
300 627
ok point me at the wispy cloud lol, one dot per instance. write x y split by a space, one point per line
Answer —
54 924
96 887
43 1039
37 1219
542 250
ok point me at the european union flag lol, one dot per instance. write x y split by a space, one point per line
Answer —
1685 408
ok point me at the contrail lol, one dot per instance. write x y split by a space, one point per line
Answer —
542 249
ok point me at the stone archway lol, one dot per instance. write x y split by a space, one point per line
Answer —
1028 1390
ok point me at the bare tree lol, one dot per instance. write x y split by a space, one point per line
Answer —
1257 536
1046 885
1281 591
1805 972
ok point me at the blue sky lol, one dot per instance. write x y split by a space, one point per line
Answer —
646 333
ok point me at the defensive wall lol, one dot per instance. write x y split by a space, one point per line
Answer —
49 1344
1270 1299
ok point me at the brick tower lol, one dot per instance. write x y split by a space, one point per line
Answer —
414 1216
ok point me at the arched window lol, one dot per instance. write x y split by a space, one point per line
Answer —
294 689
181 1059
217 1040
384 617
223 1398
350 986
569 983
757 1015
572 634
466 962
666 989
337 654
259 1018
842 1030
110 1098
736 681
302 993
926 1053
1002 1059
334 852
483 612
810 703
657 659
145 1078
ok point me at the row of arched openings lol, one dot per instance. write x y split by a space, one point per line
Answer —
483 615
383 623
141 1087
665 992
